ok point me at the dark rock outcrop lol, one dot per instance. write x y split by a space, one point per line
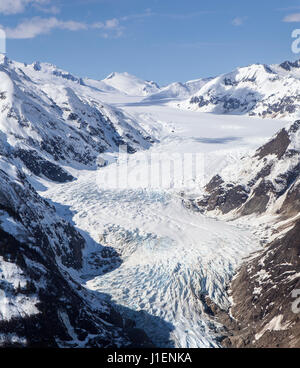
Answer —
276 146
41 167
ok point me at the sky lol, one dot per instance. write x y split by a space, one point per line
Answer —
160 40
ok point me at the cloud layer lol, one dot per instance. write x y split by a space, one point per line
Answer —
33 27
36 26
110 28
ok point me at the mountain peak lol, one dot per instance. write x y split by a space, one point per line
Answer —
119 74
4 60
130 84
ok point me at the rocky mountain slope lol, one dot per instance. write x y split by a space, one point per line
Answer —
267 183
50 119
257 90
264 189
41 303
266 296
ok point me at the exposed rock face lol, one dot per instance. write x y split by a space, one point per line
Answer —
225 197
41 167
41 304
291 204
266 295
289 65
276 146
37 218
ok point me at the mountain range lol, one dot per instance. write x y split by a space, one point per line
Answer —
54 126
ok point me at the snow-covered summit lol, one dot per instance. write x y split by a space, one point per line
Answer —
130 84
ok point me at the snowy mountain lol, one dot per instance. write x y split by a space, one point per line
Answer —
130 84
256 90
50 119
267 91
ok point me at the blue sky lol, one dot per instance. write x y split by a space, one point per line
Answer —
161 40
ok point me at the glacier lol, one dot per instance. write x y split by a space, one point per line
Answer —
171 255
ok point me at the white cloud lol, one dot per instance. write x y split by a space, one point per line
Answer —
111 23
108 24
33 27
50 10
111 28
36 26
18 6
147 13
292 18
238 21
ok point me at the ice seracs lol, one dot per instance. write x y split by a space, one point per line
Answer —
42 304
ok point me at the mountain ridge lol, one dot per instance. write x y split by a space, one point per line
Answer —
50 119
257 90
